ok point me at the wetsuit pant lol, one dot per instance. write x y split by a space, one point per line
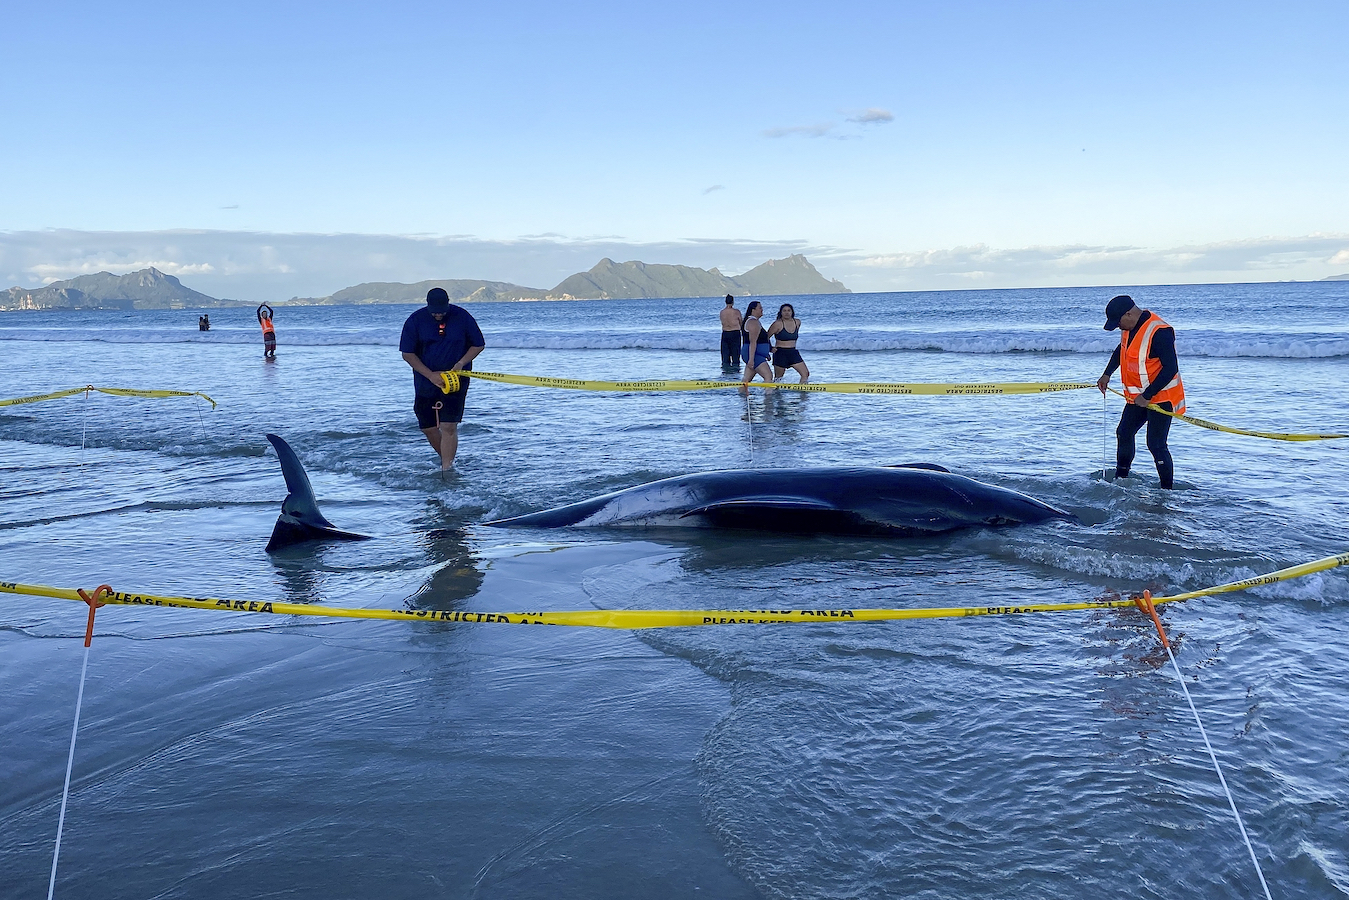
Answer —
1159 426
730 349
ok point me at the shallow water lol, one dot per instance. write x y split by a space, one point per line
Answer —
1043 756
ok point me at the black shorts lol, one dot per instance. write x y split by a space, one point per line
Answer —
451 407
786 357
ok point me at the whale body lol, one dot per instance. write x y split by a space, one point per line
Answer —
899 501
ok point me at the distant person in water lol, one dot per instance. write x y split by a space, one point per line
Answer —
784 331
1146 358
268 331
203 323
440 337
731 320
757 346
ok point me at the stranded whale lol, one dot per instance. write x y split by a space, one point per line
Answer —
899 501
300 519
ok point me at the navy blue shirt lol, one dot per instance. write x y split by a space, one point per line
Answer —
439 345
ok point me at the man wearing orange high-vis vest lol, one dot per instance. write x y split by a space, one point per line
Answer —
1146 358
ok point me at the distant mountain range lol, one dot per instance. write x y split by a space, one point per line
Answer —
461 290
1344 277
146 289
608 280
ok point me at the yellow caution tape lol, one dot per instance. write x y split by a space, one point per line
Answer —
1214 426
116 392
1288 574
451 383
660 618
838 387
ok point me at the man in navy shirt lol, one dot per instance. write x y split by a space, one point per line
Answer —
440 337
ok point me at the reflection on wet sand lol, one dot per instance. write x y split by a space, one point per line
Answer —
312 571
457 576
300 572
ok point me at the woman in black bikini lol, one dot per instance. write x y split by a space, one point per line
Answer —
786 329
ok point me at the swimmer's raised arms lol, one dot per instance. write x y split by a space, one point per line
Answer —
268 331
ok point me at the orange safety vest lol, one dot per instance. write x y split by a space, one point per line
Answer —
1137 368
268 330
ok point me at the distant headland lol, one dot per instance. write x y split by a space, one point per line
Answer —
146 289
608 280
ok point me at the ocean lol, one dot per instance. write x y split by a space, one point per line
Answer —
1036 756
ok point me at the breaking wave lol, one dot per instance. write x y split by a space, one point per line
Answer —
1320 344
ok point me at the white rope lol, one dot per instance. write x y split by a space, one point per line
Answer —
1105 434
70 762
749 420
84 423
197 402
1217 768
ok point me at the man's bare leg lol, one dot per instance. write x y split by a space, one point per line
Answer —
433 437
449 444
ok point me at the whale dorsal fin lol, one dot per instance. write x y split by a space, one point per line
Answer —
300 502
300 519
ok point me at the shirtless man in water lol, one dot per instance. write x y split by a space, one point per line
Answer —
730 335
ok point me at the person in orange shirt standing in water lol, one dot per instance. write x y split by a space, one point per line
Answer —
268 331
1146 358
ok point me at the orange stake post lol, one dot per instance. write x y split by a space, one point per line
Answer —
1145 604
94 601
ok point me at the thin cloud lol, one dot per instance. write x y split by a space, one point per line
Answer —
873 116
715 187
1262 254
269 266
813 131
49 272
1306 258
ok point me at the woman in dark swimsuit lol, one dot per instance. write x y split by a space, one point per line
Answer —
786 329
757 346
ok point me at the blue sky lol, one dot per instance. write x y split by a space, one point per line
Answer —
897 144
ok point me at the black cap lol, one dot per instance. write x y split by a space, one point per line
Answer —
729 299
437 300
1116 308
